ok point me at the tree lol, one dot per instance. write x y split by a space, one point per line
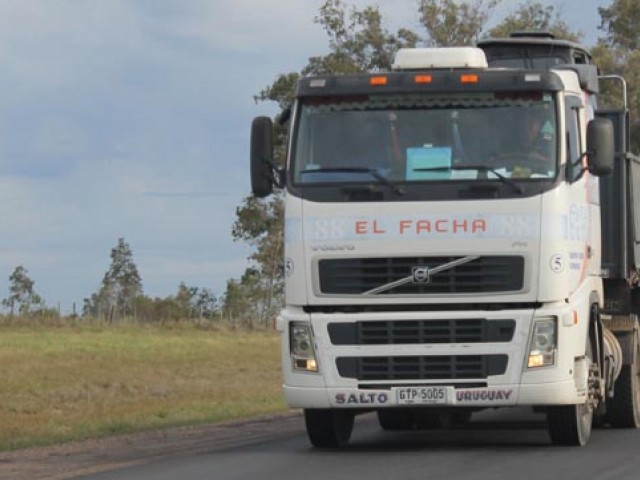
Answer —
451 23
184 299
21 292
259 222
91 306
621 22
205 303
618 53
358 42
243 301
121 285
195 302
534 16
187 304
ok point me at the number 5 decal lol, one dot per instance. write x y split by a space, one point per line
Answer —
557 263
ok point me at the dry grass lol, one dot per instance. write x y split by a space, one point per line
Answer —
66 383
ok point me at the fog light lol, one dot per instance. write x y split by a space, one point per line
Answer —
301 346
542 348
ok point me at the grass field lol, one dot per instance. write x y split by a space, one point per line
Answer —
66 383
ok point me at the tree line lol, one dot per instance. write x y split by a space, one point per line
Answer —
121 298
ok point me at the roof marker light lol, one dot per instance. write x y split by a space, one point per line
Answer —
380 80
423 78
469 78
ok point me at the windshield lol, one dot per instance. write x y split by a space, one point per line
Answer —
425 138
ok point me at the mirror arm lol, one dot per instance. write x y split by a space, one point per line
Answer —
276 175
572 165
580 158
285 115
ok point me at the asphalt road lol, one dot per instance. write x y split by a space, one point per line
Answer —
505 444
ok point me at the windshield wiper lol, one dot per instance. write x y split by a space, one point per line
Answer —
480 168
371 171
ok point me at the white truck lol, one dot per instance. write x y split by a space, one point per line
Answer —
461 233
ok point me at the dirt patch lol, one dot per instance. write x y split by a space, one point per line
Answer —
62 462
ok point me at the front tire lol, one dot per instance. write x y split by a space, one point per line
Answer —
328 428
570 424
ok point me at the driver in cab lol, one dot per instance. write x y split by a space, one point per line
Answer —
536 144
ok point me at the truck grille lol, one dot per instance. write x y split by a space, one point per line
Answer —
443 367
472 330
355 276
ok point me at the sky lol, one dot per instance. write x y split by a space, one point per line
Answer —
130 118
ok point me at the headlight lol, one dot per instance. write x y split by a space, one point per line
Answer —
301 347
542 349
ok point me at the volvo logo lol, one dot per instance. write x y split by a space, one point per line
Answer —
420 275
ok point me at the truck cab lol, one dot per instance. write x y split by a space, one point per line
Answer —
443 241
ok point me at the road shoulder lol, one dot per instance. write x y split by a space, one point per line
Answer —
62 462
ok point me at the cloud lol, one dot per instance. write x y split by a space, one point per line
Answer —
148 79
238 26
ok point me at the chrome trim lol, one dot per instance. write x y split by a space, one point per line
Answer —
431 271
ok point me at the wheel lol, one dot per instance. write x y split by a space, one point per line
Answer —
623 410
571 424
328 428
395 419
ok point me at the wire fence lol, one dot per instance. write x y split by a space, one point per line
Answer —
238 316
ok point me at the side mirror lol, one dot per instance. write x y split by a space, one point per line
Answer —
600 146
262 157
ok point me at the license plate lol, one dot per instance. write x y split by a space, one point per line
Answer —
422 395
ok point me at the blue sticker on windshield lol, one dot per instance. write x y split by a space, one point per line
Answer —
421 159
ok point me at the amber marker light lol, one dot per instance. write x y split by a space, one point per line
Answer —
423 79
378 81
469 78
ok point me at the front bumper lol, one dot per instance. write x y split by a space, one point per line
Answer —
515 385
509 395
